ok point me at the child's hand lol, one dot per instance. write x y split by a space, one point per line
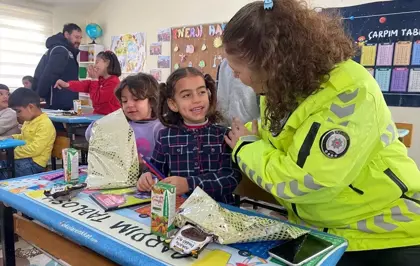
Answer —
145 182
60 84
180 183
239 130
93 73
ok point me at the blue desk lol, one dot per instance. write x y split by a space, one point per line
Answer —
72 124
9 146
122 236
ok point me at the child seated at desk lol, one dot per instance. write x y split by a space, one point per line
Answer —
37 131
104 80
192 151
138 95
8 120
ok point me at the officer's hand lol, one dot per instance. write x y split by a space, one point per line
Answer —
239 130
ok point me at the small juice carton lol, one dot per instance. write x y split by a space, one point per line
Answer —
77 106
163 208
71 165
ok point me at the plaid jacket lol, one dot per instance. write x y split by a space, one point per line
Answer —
201 155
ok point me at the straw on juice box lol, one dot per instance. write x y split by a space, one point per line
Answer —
163 208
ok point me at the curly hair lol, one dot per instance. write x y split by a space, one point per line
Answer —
291 48
167 91
142 86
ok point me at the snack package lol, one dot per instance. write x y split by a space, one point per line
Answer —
230 227
71 165
113 160
190 240
163 208
77 106
64 193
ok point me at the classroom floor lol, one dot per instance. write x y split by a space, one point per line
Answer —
28 255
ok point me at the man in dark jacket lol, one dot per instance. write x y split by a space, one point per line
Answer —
59 62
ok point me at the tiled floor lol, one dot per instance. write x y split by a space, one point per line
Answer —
27 255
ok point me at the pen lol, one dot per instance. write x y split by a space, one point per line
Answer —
153 169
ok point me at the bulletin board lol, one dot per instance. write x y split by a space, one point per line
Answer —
198 46
388 37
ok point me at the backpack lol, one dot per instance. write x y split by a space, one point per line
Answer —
42 65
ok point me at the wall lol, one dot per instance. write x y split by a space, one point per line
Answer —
70 14
149 16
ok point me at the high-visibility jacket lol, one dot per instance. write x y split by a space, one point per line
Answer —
337 164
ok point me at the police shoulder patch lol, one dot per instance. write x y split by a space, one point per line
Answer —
334 143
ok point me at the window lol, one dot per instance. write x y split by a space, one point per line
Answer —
23 33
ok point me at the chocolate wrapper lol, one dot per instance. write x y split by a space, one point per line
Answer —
231 227
113 160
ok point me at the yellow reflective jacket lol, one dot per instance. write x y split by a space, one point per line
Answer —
338 165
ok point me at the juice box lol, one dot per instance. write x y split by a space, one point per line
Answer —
77 106
71 165
163 208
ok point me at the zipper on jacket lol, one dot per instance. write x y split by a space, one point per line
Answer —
396 180
400 184
294 208
358 191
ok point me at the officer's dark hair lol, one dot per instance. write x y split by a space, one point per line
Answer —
22 97
4 87
70 27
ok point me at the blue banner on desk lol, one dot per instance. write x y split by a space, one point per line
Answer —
388 35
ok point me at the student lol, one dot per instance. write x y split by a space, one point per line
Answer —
192 150
38 133
327 147
104 80
138 95
8 120
27 82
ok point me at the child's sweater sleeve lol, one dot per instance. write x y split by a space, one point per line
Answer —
158 157
8 121
219 183
82 86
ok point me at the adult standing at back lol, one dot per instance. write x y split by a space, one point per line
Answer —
59 62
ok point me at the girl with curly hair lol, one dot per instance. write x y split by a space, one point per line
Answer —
326 146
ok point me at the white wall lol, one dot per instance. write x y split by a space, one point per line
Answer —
149 16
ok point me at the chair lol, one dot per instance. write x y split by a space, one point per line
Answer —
406 139
248 192
61 142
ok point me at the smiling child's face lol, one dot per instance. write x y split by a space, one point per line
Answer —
135 109
191 99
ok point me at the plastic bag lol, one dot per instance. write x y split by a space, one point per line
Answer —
230 227
113 160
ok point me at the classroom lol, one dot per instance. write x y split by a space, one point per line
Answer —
246 132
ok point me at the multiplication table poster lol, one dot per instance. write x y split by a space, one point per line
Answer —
388 37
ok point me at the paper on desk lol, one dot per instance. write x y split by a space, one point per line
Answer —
230 227
113 161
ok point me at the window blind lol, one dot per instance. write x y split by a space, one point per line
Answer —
23 32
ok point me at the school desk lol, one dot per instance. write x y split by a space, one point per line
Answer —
71 124
9 146
80 233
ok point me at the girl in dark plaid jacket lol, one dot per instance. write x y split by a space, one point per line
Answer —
191 151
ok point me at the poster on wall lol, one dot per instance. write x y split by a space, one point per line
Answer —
388 37
164 35
157 74
156 48
131 51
